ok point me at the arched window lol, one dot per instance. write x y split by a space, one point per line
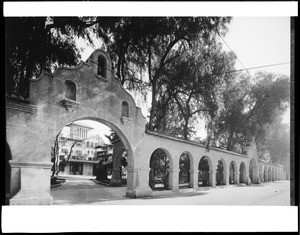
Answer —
70 90
125 109
101 69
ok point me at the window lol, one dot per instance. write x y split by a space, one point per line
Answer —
70 90
125 109
88 144
101 70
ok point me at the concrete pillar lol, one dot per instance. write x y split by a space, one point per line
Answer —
212 178
34 183
117 154
138 183
174 179
131 181
226 176
193 178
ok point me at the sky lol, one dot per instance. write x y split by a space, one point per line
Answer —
259 41
256 41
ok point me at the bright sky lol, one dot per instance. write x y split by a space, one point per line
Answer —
259 41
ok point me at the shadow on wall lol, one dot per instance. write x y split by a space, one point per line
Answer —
8 157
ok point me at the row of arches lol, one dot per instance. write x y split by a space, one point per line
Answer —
207 173
268 173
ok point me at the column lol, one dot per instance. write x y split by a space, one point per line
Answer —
212 178
138 187
34 188
117 154
194 179
226 175
174 180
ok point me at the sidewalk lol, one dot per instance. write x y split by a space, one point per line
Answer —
82 190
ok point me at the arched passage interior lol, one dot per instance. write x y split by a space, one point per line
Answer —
220 172
242 171
233 173
184 170
269 174
92 157
204 174
159 174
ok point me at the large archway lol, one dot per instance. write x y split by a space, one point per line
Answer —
221 172
233 173
205 172
159 170
243 176
184 170
85 161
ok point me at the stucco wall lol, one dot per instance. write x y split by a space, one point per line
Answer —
31 129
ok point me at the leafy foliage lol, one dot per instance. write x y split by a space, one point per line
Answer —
37 43
249 106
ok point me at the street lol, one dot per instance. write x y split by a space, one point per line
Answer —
80 190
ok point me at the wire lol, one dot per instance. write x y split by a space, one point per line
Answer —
233 71
234 54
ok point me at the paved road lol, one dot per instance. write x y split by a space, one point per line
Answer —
80 190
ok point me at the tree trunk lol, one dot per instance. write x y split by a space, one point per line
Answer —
229 143
153 105
185 128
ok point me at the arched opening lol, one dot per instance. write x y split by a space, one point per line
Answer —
70 92
273 174
220 172
204 167
89 154
243 178
252 170
159 174
266 174
125 109
184 170
269 174
233 173
101 69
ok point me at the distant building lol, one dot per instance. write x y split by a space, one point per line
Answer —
84 156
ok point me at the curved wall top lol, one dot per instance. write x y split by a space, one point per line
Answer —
97 97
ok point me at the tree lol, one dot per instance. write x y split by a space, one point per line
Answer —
248 106
194 83
34 44
150 44
55 158
277 141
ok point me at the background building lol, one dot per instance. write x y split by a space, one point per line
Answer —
84 157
